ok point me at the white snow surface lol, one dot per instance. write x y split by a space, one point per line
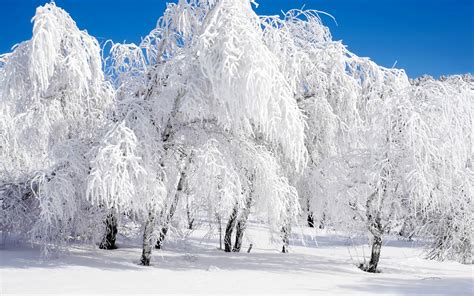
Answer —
319 263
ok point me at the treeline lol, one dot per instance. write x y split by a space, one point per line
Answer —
221 115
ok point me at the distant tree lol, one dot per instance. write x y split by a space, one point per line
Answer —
444 202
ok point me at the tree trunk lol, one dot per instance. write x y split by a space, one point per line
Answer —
285 235
108 242
407 230
466 256
229 229
239 234
374 206
147 241
375 255
242 224
250 248
375 227
310 220
172 210
188 214
310 217
161 237
322 222
219 222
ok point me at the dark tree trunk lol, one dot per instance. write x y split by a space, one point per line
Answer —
322 222
161 237
250 248
375 227
285 235
229 229
375 255
189 216
172 210
310 220
242 224
147 242
310 217
239 235
108 242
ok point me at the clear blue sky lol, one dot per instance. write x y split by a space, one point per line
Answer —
424 36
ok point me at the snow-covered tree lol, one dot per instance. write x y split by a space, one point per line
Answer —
365 133
444 204
217 86
54 99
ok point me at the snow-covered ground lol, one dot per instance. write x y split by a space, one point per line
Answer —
322 264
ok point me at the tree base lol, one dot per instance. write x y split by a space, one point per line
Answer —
227 248
367 268
106 246
145 262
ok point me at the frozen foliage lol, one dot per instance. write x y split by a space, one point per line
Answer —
213 101
220 115
54 99
446 175
119 178
377 148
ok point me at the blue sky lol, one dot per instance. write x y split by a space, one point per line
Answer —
423 36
